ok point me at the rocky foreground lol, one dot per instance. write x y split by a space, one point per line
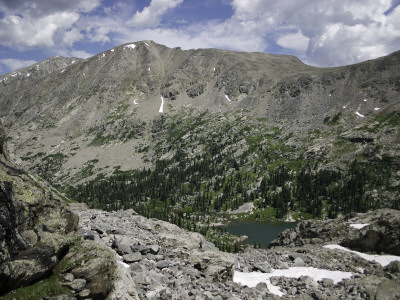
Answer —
166 262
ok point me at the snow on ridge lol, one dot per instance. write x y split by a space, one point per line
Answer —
131 46
161 110
112 50
226 96
359 226
253 278
384 260
360 115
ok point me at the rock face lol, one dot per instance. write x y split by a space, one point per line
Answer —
38 237
381 235
36 228
2 140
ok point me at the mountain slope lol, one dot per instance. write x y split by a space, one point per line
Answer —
144 105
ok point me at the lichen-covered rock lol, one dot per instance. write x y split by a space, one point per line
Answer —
96 265
2 140
32 220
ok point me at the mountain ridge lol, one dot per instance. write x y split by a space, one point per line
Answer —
130 107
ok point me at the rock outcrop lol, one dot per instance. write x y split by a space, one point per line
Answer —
381 233
39 238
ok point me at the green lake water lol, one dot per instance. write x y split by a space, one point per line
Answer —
259 233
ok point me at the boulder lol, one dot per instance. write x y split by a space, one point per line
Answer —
96 264
263 267
27 267
388 290
133 257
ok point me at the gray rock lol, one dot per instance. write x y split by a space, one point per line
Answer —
205 245
144 226
388 290
132 257
123 244
393 267
299 262
327 283
84 294
162 264
263 267
142 279
76 284
68 277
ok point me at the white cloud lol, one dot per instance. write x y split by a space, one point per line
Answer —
325 32
151 15
24 31
336 32
44 23
14 64
80 54
294 41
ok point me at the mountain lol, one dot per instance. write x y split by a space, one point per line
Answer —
208 130
154 129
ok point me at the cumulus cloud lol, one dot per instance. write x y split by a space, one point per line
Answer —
151 15
324 33
329 33
294 41
43 23
14 64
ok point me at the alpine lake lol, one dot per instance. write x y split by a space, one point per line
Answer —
258 233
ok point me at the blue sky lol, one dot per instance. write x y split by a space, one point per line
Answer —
321 33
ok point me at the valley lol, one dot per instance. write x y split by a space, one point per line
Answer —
172 143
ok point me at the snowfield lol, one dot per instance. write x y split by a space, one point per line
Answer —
359 226
253 278
384 260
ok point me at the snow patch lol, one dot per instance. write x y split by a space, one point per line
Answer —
377 108
330 95
384 260
226 96
214 69
112 50
135 102
72 62
360 115
131 46
28 74
161 110
365 100
147 44
253 278
358 226
125 265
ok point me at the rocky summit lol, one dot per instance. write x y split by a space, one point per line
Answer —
161 145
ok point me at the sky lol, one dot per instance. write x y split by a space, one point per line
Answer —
322 33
